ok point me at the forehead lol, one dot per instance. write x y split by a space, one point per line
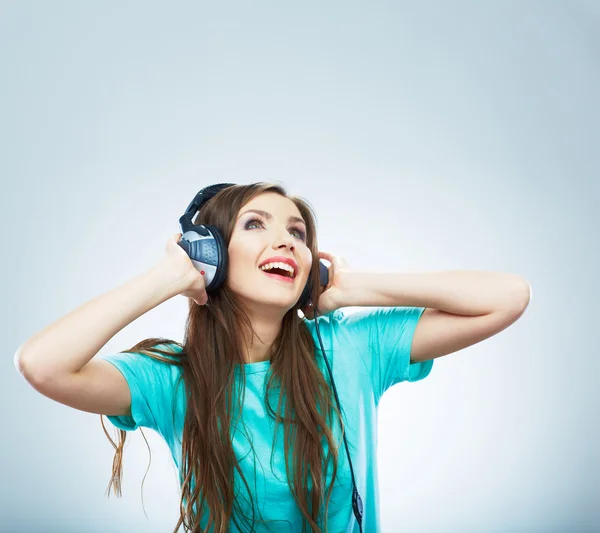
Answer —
273 203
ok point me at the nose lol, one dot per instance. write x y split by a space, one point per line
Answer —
284 239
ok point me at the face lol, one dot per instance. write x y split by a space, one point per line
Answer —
256 238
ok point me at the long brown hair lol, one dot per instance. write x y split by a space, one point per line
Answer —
212 346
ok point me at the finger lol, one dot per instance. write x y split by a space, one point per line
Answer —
326 255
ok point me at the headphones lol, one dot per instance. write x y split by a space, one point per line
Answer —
207 250
206 247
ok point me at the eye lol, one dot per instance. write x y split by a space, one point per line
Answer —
253 221
301 234
259 222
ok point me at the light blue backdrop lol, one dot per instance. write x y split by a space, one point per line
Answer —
427 136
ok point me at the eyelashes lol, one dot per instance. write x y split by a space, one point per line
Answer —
300 231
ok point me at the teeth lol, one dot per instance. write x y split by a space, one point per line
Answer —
283 266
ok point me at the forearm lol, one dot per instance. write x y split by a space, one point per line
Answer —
460 292
69 343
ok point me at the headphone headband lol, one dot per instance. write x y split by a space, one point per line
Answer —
199 200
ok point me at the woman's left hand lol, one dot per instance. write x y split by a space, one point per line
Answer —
331 297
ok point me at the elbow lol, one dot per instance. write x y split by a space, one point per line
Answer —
30 372
519 297
525 294
19 362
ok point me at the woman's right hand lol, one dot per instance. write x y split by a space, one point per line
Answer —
180 266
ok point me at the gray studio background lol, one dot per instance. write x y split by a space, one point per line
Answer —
427 136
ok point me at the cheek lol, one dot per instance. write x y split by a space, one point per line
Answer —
243 257
241 251
307 260
236 261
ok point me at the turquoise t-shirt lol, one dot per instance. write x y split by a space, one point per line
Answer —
368 352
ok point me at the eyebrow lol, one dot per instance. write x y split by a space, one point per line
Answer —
268 216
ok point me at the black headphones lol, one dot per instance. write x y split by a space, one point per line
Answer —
206 248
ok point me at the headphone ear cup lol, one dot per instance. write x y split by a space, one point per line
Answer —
206 248
305 297
222 259
323 281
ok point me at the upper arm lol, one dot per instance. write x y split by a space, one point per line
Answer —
382 339
97 388
439 333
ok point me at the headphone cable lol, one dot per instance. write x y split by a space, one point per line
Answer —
357 505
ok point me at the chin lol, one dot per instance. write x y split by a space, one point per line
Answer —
283 301
286 303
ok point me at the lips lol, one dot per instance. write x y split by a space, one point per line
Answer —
279 277
282 259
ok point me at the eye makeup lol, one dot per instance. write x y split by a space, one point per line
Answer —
256 220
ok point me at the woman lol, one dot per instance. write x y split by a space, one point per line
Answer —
246 403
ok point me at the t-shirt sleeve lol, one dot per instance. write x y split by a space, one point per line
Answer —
383 336
152 385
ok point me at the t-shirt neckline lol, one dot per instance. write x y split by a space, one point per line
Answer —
253 368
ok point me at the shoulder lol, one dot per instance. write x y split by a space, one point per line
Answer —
159 363
368 322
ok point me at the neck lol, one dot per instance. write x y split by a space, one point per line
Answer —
266 330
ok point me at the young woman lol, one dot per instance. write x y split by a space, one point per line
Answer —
267 432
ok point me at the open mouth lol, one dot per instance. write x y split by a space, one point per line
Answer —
279 274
